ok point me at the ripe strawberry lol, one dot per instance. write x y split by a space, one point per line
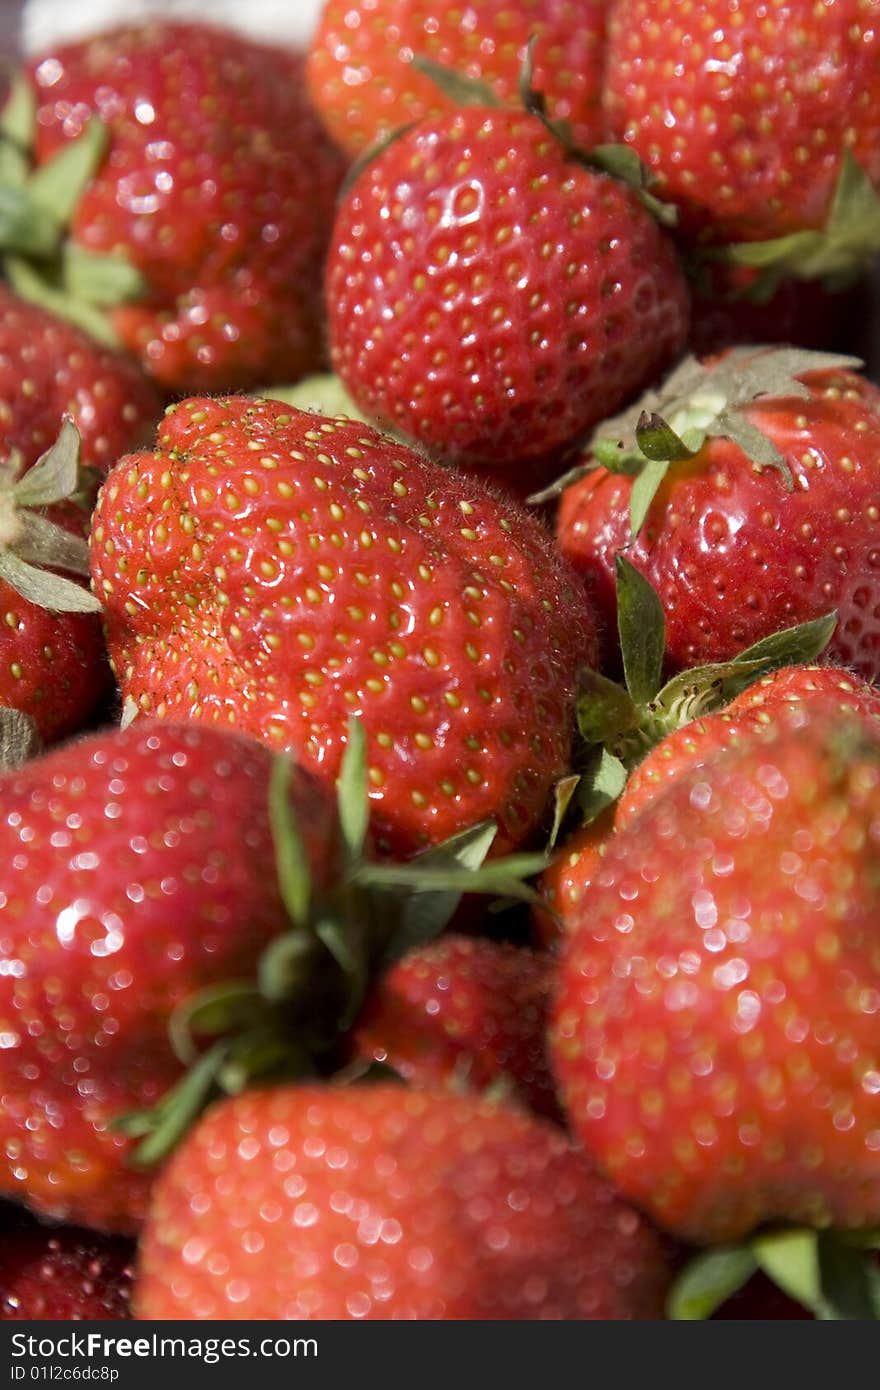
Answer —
363 83
792 695
212 204
375 1202
63 1274
50 369
490 296
746 113
282 573
737 546
133 872
468 1010
570 875
53 663
714 1037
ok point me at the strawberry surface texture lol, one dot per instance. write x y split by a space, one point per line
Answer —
309 1203
715 1034
280 573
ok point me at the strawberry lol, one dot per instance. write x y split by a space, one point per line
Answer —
187 915
790 695
490 293
199 203
714 1034
282 573
133 872
464 1010
570 876
364 82
787 694
760 122
53 664
638 735
763 516
62 1274
50 370
374 1202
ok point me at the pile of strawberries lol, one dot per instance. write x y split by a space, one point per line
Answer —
439 619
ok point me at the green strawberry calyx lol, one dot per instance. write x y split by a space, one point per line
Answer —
33 548
37 205
291 1019
833 1274
320 394
699 401
836 254
620 724
19 738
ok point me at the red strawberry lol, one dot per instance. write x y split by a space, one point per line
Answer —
715 1033
569 877
63 1274
48 370
282 572
217 188
375 1202
745 113
135 868
468 1010
490 296
792 695
739 547
53 664
363 83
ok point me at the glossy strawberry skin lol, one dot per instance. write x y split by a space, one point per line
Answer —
49 369
491 298
60 1273
715 1037
363 84
136 868
744 113
465 1011
283 573
374 1202
732 554
218 186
